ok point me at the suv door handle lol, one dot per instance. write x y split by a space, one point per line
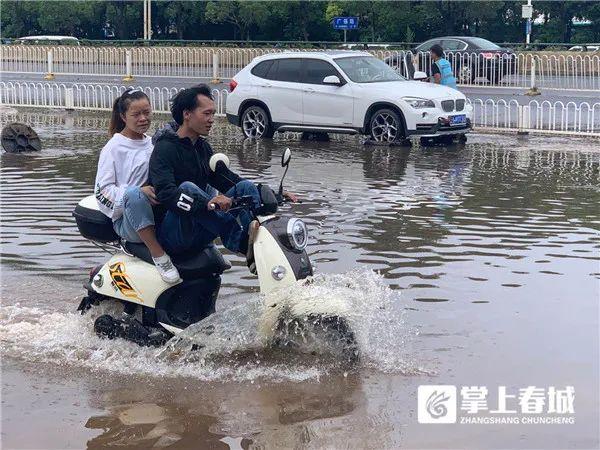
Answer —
266 85
309 90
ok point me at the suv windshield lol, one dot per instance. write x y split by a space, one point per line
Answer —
367 69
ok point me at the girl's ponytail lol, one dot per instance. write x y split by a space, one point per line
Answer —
116 121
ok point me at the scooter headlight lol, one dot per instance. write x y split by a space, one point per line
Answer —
297 234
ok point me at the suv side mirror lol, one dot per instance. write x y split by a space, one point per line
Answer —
419 76
217 159
332 79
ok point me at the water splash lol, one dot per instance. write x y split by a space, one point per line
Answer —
232 345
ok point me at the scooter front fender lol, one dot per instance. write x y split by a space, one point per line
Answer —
267 256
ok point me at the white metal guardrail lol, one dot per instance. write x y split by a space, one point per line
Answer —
520 69
541 116
92 97
535 116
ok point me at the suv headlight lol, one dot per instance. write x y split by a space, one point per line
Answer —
297 234
417 102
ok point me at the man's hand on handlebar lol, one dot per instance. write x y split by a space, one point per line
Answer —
220 202
291 197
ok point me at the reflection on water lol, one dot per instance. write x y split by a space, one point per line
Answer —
492 249
409 214
274 417
144 425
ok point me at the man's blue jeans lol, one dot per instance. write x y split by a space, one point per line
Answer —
180 233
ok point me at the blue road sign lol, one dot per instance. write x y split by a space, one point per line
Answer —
345 23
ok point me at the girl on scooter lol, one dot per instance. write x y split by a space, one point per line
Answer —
121 187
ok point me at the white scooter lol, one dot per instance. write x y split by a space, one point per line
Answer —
129 276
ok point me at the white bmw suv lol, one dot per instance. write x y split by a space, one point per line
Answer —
341 92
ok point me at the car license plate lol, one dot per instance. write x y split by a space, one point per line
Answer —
458 120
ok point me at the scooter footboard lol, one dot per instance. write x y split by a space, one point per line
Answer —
188 302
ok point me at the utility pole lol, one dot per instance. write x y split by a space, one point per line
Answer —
147 20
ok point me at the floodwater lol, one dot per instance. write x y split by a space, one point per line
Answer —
468 266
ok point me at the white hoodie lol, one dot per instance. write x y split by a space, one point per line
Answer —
123 163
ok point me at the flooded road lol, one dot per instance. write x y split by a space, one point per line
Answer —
470 266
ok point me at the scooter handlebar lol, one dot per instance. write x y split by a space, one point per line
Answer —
247 202
281 199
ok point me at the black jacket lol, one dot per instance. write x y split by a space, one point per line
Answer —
176 160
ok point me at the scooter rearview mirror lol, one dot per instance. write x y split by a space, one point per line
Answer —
285 158
216 159
285 161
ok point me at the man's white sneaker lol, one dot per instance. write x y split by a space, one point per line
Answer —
168 272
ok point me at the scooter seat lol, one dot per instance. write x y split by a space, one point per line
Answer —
207 262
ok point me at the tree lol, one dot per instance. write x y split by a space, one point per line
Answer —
499 21
242 15
181 19
70 18
127 18
79 19
558 24
301 20
19 19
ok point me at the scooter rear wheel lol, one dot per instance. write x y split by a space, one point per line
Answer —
106 327
131 329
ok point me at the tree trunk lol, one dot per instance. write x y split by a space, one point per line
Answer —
179 28
567 17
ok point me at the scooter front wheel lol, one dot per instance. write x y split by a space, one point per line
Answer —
319 334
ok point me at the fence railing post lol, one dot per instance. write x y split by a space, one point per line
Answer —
521 128
50 71
215 68
533 90
69 99
128 70
527 117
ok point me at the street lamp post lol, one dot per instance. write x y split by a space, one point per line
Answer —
147 20
527 13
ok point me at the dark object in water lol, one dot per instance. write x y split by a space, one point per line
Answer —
443 140
18 137
314 136
398 143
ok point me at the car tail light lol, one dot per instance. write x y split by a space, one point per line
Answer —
487 55
232 85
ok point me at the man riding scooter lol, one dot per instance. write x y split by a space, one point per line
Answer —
183 171
184 184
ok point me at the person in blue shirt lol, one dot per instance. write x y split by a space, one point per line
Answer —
441 70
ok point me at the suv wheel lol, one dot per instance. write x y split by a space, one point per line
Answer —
256 124
386 126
